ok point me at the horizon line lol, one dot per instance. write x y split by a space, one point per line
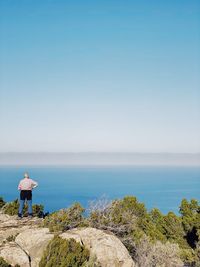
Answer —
97 152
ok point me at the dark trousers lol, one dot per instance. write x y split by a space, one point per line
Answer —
25 195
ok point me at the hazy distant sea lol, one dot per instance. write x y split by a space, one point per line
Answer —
59 187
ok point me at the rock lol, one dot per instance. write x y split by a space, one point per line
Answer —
14 255
10 233
34 242
4 217
108 249
21 232
10 226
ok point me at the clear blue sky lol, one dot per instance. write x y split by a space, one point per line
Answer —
100 75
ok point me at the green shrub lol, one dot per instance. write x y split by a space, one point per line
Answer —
173 229
37 209
64 253
120 216
190 216
3 263
149 228
2 202
126 217
11 238
188 256
65 219
11 208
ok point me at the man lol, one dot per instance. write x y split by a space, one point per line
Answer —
25 186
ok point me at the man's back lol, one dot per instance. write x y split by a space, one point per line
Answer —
27 184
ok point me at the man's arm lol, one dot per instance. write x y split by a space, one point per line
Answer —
19 186
34 184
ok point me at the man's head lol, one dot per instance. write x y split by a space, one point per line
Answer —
26 175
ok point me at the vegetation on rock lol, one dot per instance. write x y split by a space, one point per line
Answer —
65 219
64 253
3 263
11 208
157 254
2 202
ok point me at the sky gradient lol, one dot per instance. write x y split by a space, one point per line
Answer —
100 76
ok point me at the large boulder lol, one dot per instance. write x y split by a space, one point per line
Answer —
108 249
34 242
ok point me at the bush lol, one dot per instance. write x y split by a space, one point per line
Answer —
65 219
190 216
173 229
11 208
120 216
3 263
2 202
126 218
158 254
64 253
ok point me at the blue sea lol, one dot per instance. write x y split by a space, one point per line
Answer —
59 187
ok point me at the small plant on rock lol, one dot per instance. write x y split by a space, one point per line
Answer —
3 263
65 219
2 202
64 253
11 208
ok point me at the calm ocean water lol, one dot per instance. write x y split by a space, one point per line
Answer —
59 187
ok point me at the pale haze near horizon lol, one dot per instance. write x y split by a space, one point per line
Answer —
100 77
99 159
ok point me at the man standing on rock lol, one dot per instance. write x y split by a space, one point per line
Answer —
25 186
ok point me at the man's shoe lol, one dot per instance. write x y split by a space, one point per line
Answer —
19 216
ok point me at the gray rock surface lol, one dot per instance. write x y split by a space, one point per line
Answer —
13 254
107 248
10 230
34 242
